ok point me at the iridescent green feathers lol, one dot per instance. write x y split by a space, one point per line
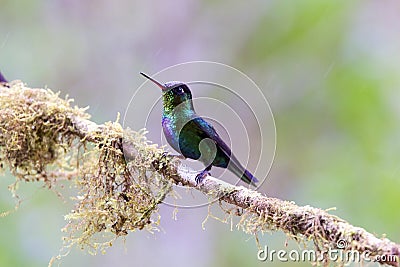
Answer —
192 136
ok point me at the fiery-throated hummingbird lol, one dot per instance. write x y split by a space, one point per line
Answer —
192 136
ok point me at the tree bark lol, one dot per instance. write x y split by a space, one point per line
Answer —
260 212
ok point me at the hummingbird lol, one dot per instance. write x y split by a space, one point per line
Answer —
192 136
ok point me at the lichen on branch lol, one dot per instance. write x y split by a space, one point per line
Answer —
43 139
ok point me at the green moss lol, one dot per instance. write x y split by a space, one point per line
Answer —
118 193
34 127
116 196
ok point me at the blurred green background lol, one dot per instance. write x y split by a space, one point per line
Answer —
330 70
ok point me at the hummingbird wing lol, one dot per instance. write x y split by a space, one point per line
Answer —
224 157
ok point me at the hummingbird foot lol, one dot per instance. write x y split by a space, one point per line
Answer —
200 176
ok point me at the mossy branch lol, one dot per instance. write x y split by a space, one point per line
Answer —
122 178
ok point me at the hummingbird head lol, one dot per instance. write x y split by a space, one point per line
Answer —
174 93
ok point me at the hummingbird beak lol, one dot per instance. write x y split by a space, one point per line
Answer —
154 81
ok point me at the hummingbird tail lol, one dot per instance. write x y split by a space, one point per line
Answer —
249 178
242 173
